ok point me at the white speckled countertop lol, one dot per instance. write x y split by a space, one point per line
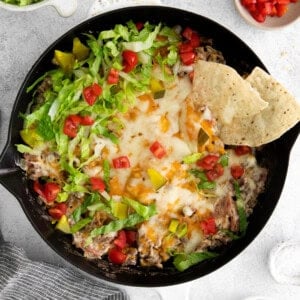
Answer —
24 36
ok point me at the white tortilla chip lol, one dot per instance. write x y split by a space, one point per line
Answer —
225 92
282 113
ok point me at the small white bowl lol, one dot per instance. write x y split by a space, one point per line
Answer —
64 7
270 23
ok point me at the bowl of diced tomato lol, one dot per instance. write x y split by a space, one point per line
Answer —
269 14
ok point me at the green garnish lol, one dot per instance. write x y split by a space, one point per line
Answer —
80 224
223 160
183 261
240 208
192 158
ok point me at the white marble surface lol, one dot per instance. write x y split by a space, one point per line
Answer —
24 36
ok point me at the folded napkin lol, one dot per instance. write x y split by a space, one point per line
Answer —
21 278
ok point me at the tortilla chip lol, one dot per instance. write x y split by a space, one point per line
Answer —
225 92
282 113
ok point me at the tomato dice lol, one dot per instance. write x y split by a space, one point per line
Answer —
216 172
208 162
121 162
97 184
87 121
113 76
208 226
261 9
139 25
38 188
51 191
91 93
242 150
188 58
187 33
259 17
71 125
120 241
57 211
48 191
185 48
158 150
130 60
237 171
195 40
281 9
130 237
116 256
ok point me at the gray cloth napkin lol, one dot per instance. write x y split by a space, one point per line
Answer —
21 278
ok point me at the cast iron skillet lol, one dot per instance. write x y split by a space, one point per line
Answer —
274 156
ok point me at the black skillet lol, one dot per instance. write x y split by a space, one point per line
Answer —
274 156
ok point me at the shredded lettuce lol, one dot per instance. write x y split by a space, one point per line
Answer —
143 210
183 261
23 148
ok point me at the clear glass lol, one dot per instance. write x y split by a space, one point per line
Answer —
284 262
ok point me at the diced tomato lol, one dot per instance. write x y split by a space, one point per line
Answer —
208 226
139 25
130 60
91 93
266 8
188 58
75 119
130 237
121 162
216 172
258 16
237 171
187 33
251 7
51 191
116 256
113 76
281 9
87 120
208 162
242 150
97 184
185 47
158 150
260 9
38 188
274 12
71 125
283 1
195 40
97 89
120 240
57 211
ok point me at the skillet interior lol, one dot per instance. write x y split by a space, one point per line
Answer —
274 156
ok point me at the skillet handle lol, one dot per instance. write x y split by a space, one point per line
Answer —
10 173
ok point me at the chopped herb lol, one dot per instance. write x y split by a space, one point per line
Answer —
223 160
206 185
240 208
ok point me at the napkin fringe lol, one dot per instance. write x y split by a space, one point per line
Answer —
21 278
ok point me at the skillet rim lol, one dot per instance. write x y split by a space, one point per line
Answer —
181 276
